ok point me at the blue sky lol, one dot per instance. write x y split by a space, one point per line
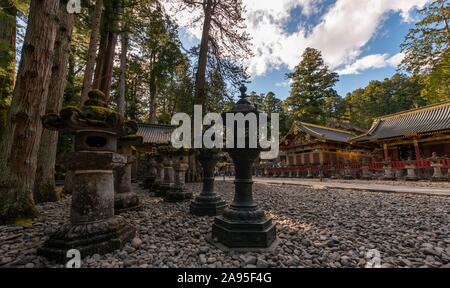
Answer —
359 39
387 40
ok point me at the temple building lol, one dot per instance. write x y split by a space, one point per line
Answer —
414 134
154 135
314 144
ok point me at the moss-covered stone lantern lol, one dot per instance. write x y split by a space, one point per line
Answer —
93 228
157 188
243 223
125 199
177 192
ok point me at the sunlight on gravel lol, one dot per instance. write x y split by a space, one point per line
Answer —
317 228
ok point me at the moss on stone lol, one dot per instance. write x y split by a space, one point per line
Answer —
67 111
20 211
132 137
100 114
97 95
23 222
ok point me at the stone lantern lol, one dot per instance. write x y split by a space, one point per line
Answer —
124 198
159 176
152 173
177 192
243 224
437 168
348 171
411 170
208 203
365 169
93 228
388 171
309 170
169 174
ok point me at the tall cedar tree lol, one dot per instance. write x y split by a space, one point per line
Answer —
223 32
20 139
426 43
158 38
108 40
312 85
44 188
8 13
92 52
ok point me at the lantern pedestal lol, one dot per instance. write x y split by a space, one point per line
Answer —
208 203
178 193
243 224
125 198
93 229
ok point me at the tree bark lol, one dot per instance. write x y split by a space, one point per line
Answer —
152 88
8 29
21 137
105 61
92 51
123 74
44 187
203 57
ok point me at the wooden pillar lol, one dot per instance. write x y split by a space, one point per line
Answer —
416 149
386 152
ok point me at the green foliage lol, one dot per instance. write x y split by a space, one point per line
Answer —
426 43
437 82
311 88
379 98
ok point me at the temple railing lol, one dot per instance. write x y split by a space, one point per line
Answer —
389 170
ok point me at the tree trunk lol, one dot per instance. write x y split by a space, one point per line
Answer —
44 187
108 65
8 27
203 57
123 74
152 88
92 51
21 137
105 61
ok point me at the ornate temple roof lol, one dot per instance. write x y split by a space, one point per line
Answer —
429 119
322 132
155 134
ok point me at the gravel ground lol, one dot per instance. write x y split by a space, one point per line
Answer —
317 228
421 183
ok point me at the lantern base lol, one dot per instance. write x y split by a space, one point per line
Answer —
243 234
207 206
439 179
125 202
89 238
177 194
148 182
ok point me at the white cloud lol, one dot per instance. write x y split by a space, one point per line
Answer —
341 34
284 84
372 62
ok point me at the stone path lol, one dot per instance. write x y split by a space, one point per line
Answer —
356 186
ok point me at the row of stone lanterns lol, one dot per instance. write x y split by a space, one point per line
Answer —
101 165
242 224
